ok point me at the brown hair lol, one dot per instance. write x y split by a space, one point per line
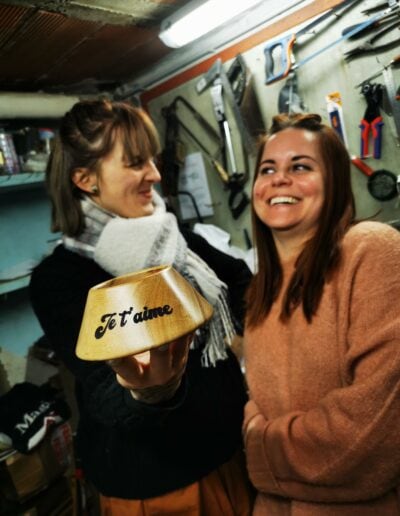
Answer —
87 134
322 252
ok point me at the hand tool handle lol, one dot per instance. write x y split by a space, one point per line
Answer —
285 44
392 93
386 28
377 21
365 169
229 145
238 199
223 174
197 116
395 61
350 28
237 76
356 34
355 30
336 123
376 128
364 126
238 202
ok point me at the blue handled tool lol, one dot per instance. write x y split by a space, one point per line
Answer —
369 44
286 43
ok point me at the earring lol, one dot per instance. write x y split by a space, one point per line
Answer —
94 189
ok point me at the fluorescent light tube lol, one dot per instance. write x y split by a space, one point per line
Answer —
181 28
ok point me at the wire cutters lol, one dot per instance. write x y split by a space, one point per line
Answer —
369 46
372 122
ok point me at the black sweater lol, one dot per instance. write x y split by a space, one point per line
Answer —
130 449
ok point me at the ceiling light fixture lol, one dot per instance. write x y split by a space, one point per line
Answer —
198 18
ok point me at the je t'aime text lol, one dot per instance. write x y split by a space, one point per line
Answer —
121 319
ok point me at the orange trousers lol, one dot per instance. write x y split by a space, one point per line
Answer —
224 492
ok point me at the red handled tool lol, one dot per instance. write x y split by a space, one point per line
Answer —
382 184
372 122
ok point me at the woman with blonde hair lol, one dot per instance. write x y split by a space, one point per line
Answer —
162 437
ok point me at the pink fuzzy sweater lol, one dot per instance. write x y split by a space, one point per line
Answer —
322 428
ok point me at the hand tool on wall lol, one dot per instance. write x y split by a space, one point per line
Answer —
238 199
393 62
392 97
241 79
172 156
377 7
236 74
170 112
217 72
380 22
197 116
285 44
289 100
335 112
382 184
391 93
217 79
372 122
369 46
369 28
219 110
173 152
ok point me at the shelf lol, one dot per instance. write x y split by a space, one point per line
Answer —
22 181
16 284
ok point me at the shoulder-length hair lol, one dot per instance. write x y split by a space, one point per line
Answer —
86 135
321 254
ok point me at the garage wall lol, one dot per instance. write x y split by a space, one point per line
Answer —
326 73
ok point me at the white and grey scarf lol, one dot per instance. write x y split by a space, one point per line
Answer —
121 246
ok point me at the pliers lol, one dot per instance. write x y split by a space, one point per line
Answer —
368 44
372 122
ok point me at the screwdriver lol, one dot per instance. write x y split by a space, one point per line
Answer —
368 28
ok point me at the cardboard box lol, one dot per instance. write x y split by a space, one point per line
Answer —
23 475
55 500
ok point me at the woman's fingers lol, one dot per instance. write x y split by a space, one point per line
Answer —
155 367
129 371
169 360
160 367
180 350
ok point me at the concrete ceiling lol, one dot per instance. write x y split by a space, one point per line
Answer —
79 46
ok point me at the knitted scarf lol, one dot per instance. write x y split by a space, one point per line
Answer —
121 246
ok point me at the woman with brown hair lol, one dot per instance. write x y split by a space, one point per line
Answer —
322 335
162 437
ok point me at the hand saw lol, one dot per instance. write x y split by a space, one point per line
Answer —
285 44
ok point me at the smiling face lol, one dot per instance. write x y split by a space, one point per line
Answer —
288 192
125 188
